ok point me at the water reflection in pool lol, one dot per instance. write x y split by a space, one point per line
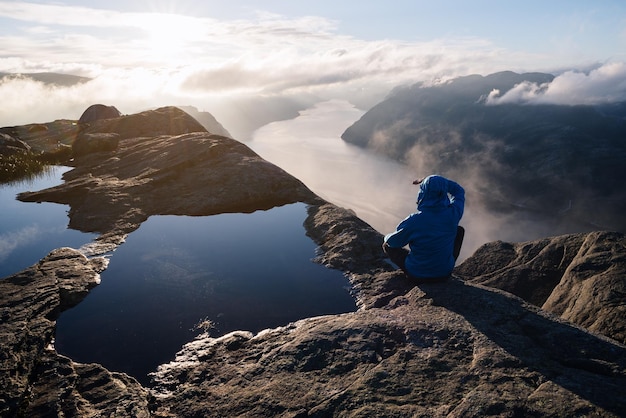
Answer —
241 271
29 231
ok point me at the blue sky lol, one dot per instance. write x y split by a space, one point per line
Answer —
215 53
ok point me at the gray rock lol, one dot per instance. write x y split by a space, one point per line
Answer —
440 350
580 277
97 142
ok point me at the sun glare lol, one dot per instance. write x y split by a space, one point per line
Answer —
170 36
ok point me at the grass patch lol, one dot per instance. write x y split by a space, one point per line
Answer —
19 167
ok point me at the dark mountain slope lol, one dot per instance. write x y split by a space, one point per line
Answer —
49 78
566 161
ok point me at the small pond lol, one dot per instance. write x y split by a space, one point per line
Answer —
29 231
239 271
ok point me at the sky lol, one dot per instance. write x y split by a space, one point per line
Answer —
288 70
225 56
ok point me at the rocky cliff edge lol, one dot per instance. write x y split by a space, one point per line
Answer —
450 349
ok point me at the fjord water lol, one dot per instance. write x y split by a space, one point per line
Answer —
379 189
239 271
29 231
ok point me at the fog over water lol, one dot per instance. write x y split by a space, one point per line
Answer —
378 189
310 148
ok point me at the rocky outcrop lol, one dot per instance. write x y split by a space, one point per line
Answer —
34 379
455 350
448 349
10 145
167 120
580 277
97 112
196 173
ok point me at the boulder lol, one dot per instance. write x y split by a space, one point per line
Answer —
98 112
580 277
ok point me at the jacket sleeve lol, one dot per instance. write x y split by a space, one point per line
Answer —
458 197
400 237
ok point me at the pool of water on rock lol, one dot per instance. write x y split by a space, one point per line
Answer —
29 231
240 271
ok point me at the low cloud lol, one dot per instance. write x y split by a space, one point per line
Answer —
138 61
360 72
606 84
143 60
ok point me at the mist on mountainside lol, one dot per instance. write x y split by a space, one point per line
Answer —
557 162
379 189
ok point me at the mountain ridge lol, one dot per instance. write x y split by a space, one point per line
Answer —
565 161
60 79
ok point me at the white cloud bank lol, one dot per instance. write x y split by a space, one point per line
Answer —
606 84
143 60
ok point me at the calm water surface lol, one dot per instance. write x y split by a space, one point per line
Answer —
29 231
241 271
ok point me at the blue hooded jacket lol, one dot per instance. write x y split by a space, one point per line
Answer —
430 232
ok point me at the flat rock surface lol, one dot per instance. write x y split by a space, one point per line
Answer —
450 349
440 350
194 173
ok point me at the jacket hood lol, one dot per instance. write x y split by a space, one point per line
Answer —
433 193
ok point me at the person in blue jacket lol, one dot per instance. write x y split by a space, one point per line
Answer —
432 233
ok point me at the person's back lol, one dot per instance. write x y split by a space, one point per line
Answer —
430 232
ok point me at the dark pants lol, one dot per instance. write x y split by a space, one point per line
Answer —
398 255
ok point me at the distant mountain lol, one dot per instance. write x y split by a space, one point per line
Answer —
49 78
207 120
565 161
